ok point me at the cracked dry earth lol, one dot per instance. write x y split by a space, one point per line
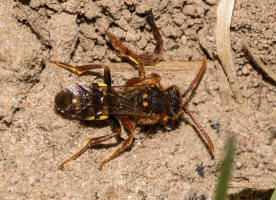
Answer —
170 163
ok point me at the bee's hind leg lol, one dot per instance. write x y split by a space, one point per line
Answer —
79 70
158 54
92 141
126 143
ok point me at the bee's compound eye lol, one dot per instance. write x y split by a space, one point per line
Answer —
63 101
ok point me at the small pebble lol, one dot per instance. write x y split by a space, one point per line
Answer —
245 70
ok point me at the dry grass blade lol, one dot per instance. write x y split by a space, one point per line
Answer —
258 62
171 66
224 15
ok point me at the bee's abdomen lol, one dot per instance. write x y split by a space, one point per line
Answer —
83 102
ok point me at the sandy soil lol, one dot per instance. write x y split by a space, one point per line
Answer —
172 163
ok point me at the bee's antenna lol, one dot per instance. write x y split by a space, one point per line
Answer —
198 75
192 85
203 132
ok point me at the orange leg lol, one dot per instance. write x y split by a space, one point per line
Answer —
121 49
79 70
154 77
126 143
125 52
133 81
152 59
142 59
92 141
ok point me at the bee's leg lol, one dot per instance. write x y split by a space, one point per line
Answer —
126 143
79 70
154 78
156 33
133 81
142 59
91 141
152 59
123 51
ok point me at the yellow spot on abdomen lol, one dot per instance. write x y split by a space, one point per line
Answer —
102 84
90 118
103 117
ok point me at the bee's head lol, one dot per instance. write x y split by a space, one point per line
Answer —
174 102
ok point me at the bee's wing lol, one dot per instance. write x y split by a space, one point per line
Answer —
122 100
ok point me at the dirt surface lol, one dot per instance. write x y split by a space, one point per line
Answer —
172 163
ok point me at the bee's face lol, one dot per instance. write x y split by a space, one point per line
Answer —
174 102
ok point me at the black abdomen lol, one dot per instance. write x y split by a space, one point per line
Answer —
82 102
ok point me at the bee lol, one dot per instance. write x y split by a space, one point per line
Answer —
141 101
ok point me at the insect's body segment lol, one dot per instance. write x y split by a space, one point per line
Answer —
146 104
142 100
155 104
83 102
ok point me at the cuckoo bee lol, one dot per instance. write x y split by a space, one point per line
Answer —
142 100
